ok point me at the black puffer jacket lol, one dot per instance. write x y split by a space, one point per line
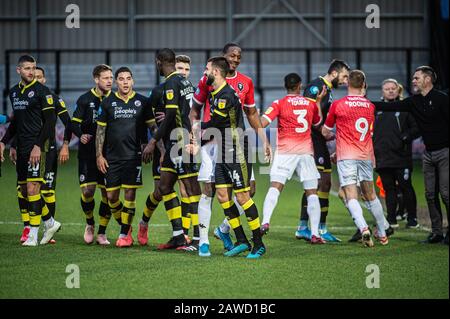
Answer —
392 139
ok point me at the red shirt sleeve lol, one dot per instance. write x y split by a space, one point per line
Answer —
331 118
201 94
272 112
250 96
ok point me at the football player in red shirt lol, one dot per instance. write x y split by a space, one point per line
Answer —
354 116
296 116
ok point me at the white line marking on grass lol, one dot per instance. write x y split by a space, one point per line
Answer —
338 228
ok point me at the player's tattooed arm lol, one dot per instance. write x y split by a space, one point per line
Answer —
102 164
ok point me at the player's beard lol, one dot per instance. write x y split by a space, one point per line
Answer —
335 83
210 80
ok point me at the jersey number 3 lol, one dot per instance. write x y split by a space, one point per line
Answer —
301 114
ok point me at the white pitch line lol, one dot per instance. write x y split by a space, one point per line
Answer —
338 228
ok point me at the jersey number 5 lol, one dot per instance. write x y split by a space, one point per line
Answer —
301 120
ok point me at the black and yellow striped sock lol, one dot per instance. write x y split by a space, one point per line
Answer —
185 214
23 206
173 209
232 214
105 215
150 206
128 212
88 205
251 212
193 209
324 203
35 210
50 201
304 212
116 210
46 215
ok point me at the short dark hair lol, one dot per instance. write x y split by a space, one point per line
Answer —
182 59
99 69
42 70
230 45
220 63
428 70
26 58
166 56
338 65
122 69
357 79
291 81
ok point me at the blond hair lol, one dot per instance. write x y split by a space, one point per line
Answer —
399 86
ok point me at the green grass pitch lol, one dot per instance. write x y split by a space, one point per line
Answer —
290 269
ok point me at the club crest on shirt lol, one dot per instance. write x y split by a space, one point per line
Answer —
137 103
49 99
169 94
30 94
222 103
240 86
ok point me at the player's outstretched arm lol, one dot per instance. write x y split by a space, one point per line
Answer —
255 123
405 105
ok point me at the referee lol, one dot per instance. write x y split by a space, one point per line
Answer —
429 107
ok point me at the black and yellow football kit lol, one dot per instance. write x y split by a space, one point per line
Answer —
51 162
174 130
34 124
84 121
126 131
233 171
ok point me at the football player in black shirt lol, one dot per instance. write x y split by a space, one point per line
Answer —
34 124
51 164
232 170
337 75
121 133
154 198
84 126
174 131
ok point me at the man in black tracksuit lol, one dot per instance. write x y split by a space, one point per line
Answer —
430 109
392 138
